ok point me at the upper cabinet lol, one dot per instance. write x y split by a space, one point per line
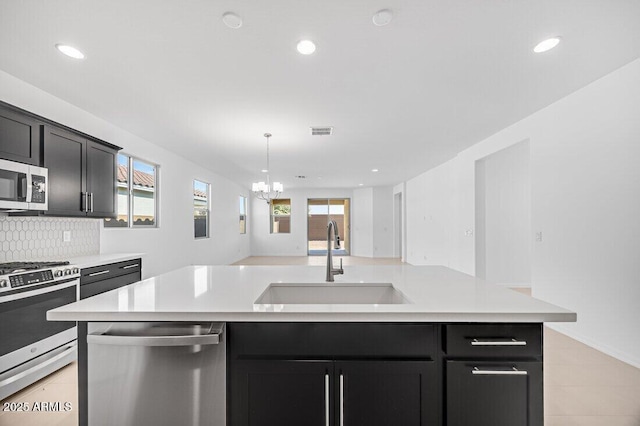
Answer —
82 174
19 137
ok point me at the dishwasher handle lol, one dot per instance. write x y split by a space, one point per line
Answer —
212 337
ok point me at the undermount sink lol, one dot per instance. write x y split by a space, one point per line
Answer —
331 293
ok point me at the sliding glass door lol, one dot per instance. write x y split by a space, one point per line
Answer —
319 212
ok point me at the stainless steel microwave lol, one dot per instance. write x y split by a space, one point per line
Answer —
22 186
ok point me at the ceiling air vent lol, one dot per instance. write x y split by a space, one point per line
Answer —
300 177
321 131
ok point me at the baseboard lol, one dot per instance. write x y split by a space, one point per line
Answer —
622 356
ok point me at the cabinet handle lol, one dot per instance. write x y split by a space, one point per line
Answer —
512 342
83 208
131 266
99 273
91 194
326 399
341 400
513 372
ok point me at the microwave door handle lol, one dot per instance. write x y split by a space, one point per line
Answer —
29 188
22 187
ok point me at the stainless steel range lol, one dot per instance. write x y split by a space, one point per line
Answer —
30 346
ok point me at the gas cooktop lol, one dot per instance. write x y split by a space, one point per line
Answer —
13 267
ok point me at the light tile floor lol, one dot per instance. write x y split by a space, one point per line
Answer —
583 387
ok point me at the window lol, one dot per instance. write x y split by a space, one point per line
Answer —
281 216
201 209
243 215
137 194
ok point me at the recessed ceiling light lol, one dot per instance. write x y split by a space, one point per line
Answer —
306 47
264 171
382 17
375 170
232 20
361 184
70 51
547 44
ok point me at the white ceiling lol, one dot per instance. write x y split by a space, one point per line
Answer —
402 98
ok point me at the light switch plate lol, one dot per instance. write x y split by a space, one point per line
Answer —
66 236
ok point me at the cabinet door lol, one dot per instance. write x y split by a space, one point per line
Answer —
494 393
101 180
64 156
283 393
387 393
19 137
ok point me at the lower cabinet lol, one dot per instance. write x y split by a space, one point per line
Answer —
350 393
385 374
98 279
331 374
494 393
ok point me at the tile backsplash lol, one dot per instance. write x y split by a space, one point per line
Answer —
41 238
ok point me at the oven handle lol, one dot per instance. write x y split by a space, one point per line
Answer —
59 286
70 348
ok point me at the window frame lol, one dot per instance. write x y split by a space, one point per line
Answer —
243 199
208 209
272 216
129 190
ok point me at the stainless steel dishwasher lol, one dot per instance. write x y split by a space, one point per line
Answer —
156 374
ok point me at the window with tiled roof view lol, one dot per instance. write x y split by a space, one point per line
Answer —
201 209
137 194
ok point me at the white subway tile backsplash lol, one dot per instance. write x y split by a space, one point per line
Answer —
33 238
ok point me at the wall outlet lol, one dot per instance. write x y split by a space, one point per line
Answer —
468 233
539 236
66 236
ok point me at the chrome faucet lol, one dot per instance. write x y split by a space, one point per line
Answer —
336 237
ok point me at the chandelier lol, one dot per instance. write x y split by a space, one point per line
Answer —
267 191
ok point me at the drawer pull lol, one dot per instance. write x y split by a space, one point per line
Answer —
512 342
326 399
513 372
131 266
99 273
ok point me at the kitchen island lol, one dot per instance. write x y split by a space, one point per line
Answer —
446 348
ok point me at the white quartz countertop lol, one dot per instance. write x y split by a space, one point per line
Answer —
228 293
102 259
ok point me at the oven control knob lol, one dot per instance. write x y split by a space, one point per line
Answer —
76 270
3 283
59 273
67 271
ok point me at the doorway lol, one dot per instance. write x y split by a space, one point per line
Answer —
503 216
319 212
397 225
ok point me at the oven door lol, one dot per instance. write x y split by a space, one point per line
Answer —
24 328
14 185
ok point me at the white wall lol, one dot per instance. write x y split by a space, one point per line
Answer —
263 243
383 221
362 224
172 244
585 182
503 216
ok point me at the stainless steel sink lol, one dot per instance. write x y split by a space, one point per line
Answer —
331 293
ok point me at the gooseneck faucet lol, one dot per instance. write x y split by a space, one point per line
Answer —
336 237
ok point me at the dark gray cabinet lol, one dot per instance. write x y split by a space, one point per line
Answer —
98 279
493 375
19 136
82 174
333 374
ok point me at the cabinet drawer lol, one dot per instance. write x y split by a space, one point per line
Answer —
494 393
105 272
493 340
332 340
97 287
